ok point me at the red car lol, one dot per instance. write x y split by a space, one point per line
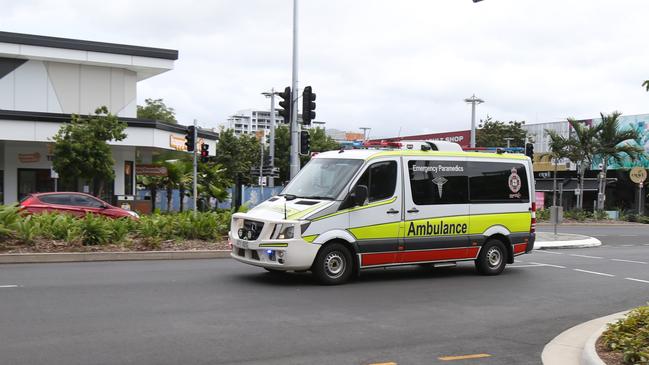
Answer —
78 204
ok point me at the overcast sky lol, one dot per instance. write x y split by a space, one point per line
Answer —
390 65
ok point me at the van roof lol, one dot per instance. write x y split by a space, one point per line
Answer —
368 154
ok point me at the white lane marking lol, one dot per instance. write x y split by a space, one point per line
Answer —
595 272
586 256
550 265
631 261
627 245
8 286
536 265
646 244
555 253
638 280
629 235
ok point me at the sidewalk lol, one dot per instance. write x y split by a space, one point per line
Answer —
576 345
564 240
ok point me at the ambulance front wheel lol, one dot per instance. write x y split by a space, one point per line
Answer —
333 265
492 258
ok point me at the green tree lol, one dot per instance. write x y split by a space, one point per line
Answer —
646 84
81 149
213 181
321 142
583 146
492 133
612 144
237 154
156 109
282 152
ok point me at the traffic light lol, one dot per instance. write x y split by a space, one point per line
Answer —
205 152
285 104
308 106
529 150
305 143
190 142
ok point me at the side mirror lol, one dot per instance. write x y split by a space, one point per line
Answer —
359 194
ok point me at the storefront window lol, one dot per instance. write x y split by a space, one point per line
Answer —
34 181
128 177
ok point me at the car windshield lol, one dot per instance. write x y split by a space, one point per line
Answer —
323 178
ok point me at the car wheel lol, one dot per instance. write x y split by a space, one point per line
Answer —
333 265
492 258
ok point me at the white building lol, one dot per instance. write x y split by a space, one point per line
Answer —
250 121
45 79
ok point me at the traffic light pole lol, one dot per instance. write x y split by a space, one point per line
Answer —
295 128
271 147
195 172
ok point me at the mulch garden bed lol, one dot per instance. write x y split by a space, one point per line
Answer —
609 357
135 245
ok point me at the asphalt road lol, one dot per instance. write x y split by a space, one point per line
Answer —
223 312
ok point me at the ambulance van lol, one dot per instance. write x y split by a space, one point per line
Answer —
425 202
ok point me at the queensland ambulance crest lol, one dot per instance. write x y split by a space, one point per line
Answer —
514 181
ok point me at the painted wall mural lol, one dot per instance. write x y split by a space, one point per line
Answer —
641 124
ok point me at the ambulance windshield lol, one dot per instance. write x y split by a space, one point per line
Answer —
323 178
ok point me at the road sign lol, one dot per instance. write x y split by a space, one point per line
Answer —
577 191
261 181
638 175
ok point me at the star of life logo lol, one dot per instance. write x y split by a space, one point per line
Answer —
440 181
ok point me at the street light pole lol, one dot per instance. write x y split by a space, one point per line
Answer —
195 172
365 134
295 128
473 100
271 147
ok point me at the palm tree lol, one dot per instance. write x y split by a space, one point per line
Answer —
559 148
582 147
185 182
613 143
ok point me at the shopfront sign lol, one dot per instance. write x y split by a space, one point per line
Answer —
178 142
150 170
638 175
29 157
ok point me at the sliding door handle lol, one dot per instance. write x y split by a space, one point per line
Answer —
392 211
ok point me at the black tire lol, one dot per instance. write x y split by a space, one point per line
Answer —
492 258
333 265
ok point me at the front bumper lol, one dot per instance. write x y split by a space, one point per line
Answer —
293 254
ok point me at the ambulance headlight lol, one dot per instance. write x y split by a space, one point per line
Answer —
286 232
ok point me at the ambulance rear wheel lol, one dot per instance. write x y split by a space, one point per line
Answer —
492 258
333 265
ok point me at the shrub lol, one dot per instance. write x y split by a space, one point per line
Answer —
27 229
630 336
95 230
9 216
543 214
600 214
119 229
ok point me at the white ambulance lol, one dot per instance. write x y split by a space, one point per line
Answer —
425 202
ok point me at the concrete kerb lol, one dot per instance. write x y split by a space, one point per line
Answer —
24 258
576 345
564 240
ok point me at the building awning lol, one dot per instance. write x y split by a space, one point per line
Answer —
590 184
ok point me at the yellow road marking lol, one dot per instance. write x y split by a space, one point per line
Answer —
463 357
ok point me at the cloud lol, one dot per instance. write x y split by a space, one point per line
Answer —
388 65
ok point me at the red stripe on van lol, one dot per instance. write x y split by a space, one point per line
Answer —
519 247
420 256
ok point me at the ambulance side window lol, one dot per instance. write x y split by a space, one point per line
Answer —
438 182
498 182
380 179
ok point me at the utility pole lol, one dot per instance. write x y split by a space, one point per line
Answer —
473 100
508 139
195 172
271 147
261 170
365 134
295 128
